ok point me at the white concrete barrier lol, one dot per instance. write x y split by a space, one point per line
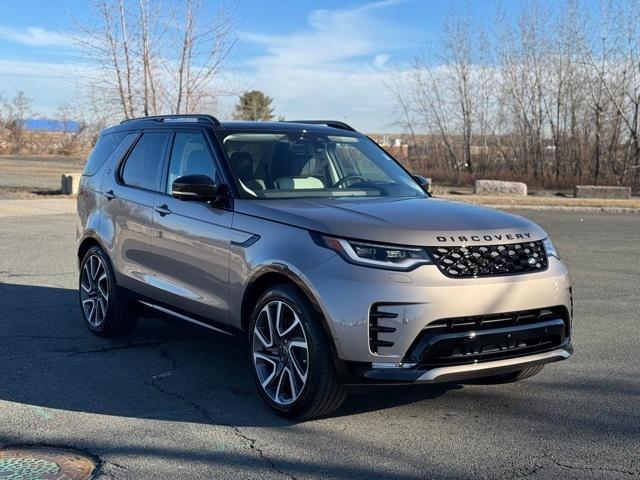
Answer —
497 187
595 191
70 183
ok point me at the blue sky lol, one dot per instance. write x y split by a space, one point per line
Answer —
317 59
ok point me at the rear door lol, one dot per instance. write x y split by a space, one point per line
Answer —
129 193
190 241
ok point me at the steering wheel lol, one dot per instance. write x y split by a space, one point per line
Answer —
347 179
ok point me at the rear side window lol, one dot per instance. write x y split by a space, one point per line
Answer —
102 151
142 168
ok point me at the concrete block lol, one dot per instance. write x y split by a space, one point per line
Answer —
70 183
595 191
496 187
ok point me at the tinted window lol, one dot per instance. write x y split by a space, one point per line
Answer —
102 151
190 156
142 168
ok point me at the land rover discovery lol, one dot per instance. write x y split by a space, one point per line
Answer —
312 242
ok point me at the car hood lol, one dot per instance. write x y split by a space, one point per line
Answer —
405 221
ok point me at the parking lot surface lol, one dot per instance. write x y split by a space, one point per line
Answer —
173 401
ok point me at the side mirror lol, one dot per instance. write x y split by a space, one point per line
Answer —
424 182
195 188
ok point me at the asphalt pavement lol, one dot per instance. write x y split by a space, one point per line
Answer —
173 401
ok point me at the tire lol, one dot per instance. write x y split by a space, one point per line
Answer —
509 377
282 320
105 308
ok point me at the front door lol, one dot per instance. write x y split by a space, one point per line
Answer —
190 240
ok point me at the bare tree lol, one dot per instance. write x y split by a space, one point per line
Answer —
72 129
554 98
17 112
153 57
204 48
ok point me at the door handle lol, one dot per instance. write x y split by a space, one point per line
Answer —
163 210
110 195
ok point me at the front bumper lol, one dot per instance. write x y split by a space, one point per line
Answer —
454 373
354 298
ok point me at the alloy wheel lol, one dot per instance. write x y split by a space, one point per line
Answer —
94 290
280 352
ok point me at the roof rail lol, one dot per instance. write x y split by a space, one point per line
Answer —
328 123
187 116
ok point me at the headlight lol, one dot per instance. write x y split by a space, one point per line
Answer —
391 257
550 248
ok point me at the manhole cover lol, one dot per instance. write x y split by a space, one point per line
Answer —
44 464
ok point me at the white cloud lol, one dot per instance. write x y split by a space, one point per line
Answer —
47 84
35 37
333 68
381 59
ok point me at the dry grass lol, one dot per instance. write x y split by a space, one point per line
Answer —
545 201
34 176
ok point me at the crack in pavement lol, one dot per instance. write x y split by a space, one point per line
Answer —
547 461
594 469
251 442
118 346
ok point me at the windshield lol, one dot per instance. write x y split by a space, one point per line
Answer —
304 164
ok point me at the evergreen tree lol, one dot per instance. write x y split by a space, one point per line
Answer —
253 105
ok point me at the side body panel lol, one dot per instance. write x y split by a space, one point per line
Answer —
190 247
89 207
91 199
125 229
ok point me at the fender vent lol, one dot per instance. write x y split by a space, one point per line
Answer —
375 328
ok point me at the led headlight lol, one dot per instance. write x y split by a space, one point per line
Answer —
550 248
391 257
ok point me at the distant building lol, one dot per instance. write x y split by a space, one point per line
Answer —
398 148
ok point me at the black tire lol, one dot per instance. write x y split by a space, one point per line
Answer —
121 313
323 392
509 377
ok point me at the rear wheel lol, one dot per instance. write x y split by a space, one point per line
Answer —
509 377
105 308
291 357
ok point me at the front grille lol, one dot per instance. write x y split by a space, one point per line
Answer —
490 260
462 340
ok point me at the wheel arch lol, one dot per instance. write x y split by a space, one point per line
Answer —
90 240
275 274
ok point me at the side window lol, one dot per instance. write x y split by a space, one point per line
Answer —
142 167
189 156
105 146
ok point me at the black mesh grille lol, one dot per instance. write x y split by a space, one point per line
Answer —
488 260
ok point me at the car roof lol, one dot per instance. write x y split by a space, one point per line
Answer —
328 126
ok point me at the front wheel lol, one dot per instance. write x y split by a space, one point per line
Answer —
291 357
